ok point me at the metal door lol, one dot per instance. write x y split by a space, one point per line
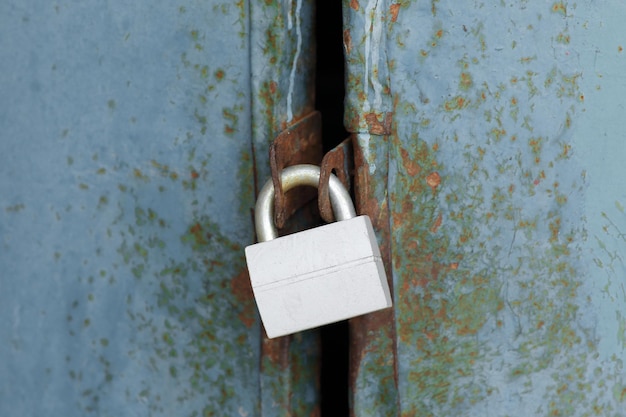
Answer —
132 137
490 155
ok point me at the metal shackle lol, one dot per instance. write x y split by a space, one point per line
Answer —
291 177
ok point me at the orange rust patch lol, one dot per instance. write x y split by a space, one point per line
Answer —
457 103
437 224
433 180
194 175
273 87
195 228
566 149
394 9
466 80
412 167
559 7
196 231
242 290
347 41
354 4
375 126
276 351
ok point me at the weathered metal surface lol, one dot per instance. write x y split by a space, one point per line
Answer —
127 182
368 107
502 179
283 81
283 68
373 364
368 101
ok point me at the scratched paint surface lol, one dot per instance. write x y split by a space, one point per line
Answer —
282 78
506 199
126 184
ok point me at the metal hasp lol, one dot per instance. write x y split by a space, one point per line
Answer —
317 276
340 161
300 143
489 150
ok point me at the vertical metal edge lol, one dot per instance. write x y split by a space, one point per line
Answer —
372 337
283 67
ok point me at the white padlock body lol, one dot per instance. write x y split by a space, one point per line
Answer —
318 276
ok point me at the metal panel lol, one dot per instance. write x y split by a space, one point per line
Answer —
282 81
501 173
127 182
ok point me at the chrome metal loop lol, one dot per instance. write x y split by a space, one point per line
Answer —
295 176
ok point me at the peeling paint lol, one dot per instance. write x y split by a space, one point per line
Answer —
497 308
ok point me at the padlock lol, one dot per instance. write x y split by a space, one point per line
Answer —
318 276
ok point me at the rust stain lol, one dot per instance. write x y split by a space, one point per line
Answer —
196 232
433 180
369 331
456 103
411 166
437 224
376 127
466 81
354 4
301 143
559 7
242 290
394 9
347 41
276 351
340 162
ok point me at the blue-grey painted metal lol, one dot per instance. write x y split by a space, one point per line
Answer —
502 173
127 171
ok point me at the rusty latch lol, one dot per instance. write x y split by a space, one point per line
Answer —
339 161
300 143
